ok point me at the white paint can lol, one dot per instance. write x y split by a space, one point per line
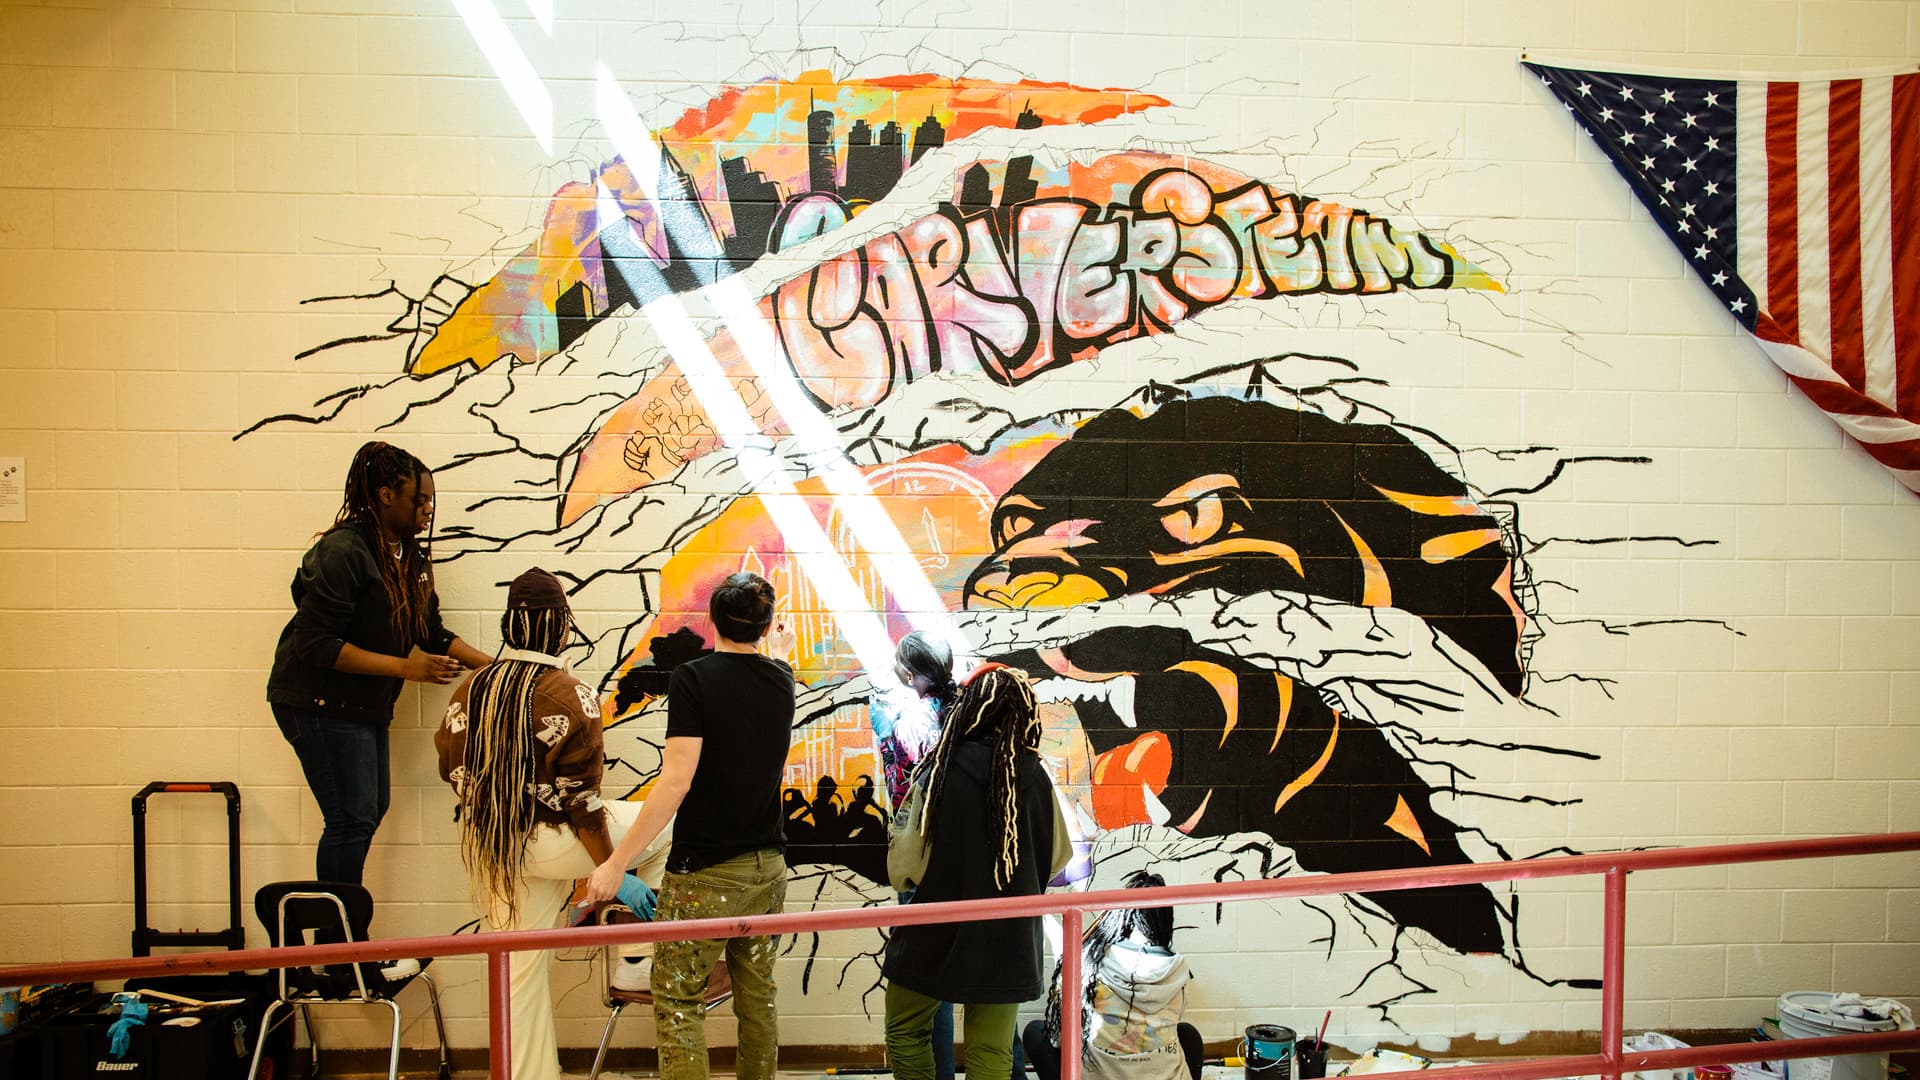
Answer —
1804 1015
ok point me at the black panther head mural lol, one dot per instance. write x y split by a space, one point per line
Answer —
1244 497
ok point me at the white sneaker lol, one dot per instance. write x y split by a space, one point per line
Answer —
400 969
633 973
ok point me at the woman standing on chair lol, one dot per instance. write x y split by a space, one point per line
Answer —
521 745
365 603
980 820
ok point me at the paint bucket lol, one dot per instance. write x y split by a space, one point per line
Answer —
1804 1015
1268 1049
1309 1060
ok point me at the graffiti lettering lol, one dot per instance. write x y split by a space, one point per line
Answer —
1099 275
1049 282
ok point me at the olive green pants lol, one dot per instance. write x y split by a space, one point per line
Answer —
987 1031
750 884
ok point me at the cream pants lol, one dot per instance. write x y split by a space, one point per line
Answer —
555 858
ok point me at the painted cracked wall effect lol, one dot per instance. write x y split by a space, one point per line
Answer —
1275 627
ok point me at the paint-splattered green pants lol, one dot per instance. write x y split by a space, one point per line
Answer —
750 884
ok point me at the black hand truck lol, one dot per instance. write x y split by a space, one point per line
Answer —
146 937
256 990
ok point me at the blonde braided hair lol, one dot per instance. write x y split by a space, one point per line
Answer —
496 801
997 705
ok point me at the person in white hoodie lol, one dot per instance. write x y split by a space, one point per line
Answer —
1135 992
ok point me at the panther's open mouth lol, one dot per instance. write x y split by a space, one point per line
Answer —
1209 743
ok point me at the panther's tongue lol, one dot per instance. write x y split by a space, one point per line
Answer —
1128 780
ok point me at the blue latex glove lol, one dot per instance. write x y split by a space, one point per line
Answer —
120 1036
635 894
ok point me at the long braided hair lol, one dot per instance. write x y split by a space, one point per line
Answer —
995 705
496 801
1153 924
408 579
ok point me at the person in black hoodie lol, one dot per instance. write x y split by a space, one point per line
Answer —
365 603
980 820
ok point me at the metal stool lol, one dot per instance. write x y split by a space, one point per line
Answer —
719 987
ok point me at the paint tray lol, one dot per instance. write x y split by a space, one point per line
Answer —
1379 1060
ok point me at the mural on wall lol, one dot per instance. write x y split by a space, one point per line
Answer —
1274 627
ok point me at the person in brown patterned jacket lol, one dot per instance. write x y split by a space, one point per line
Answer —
521 746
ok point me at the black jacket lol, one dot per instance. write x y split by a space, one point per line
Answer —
991 962
341 600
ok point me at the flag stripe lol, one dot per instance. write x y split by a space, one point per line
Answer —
1905 238
1750 185
1876 238
1904 455
1890 440
1783 268
1843 232
1816 314
1838 397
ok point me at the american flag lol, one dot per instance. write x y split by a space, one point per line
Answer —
1798 203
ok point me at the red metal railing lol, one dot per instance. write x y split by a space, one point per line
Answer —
1610 1062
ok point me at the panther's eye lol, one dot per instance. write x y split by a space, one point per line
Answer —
1197 522
1015 517
1010 526
1203 510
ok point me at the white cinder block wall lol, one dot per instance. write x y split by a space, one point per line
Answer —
176 180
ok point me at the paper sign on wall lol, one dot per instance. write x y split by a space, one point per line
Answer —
13 489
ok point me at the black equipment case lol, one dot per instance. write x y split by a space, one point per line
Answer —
214 1039
177 1042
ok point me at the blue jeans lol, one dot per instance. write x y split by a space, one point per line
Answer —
347 770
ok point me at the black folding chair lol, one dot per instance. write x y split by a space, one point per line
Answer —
316 912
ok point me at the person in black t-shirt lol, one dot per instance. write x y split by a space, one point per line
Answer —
728 854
